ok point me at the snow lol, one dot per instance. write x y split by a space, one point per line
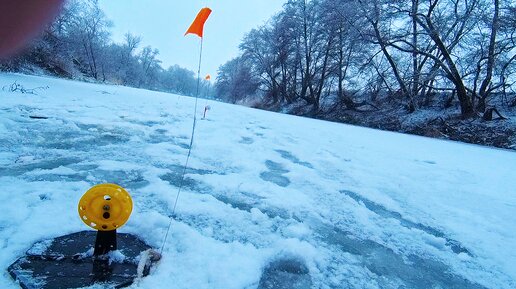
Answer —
358 208
116 256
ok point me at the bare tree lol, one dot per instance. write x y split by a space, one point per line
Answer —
235 81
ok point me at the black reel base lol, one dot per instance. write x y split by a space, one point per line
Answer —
64 264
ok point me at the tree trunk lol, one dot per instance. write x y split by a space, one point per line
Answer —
491 56
454 75
415 68
394 68
323 73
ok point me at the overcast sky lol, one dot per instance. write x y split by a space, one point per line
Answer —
162 24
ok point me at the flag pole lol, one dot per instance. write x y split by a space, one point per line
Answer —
196 28
193 127
198 76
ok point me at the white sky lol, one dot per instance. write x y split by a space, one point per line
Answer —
162 24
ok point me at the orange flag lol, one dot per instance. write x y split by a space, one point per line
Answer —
197 26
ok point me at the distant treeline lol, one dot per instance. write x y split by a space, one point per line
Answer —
353 53
78 45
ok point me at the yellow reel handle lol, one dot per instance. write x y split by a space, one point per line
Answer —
105 207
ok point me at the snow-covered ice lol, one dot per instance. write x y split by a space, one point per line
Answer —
268 198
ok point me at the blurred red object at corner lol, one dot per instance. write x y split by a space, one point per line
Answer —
22 20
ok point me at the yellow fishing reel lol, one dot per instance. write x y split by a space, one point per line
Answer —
105 207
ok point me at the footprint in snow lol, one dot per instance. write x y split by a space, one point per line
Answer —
426 162
275 174
289 156
289 273
246 140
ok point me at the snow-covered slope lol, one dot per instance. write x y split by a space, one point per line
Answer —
349 207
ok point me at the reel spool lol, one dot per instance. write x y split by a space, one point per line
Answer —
105 207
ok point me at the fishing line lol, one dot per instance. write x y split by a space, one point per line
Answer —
189 150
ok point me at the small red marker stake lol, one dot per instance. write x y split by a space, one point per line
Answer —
206 108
